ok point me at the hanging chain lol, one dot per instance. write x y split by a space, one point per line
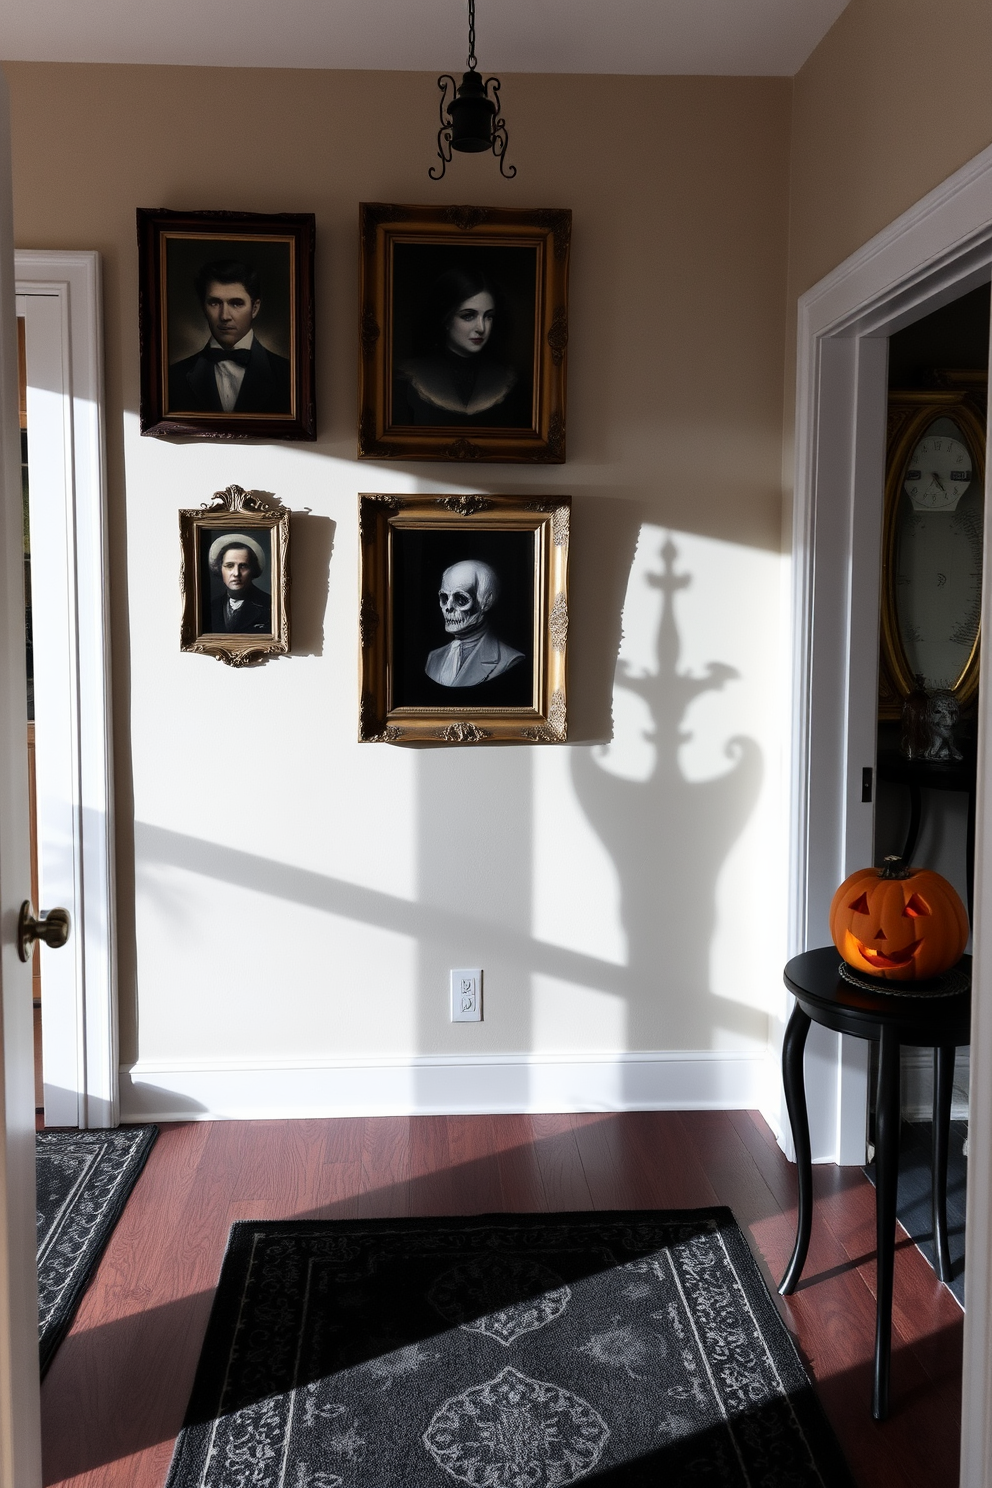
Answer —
472 58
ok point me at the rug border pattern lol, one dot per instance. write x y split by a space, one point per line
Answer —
77 1236
191 1458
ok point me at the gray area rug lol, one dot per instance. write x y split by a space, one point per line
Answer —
501 1351
84 1179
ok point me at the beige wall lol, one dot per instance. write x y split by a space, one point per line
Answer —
894 99
287 893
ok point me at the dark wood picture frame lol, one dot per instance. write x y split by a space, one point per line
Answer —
234 513
507 684
406 252
172 247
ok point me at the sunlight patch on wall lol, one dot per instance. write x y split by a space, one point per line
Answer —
698 620
576 894
631 752
728 623
568 1019
630 755
261 973
726 617
694 769
748 950
613 858
213 466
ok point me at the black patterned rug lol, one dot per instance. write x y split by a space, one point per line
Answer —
84 1179
502 1351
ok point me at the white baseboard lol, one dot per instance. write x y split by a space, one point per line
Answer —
917 1085
666 1080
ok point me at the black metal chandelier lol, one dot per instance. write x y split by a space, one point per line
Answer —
470 118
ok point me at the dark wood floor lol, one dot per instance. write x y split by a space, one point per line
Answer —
114 1397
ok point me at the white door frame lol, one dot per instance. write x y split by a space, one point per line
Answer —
931 255
59 295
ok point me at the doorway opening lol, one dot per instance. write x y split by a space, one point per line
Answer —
848 326
933 522
930 621
936 253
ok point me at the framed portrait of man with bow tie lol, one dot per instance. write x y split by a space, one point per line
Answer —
226 324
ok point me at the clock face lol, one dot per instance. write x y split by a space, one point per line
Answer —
939 470
938 556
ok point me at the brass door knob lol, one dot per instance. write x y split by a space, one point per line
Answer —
52 927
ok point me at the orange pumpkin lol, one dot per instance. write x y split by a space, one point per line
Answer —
904 924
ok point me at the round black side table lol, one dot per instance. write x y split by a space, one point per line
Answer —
942 1023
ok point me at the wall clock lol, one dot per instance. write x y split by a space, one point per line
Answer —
932 542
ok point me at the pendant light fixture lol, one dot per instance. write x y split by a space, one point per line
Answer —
470 118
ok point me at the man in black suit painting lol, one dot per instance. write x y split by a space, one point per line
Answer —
237 560
234 372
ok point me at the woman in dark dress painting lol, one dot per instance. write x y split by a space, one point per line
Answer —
459 377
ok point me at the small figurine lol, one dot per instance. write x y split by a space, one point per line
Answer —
942 716
928 723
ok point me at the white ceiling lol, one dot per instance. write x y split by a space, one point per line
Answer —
729 37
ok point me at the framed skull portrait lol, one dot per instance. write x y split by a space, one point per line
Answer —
464 619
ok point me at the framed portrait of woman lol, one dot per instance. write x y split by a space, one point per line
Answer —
464 619
464 332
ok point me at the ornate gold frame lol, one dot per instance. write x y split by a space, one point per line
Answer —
253 513
545 722
910 413
549 231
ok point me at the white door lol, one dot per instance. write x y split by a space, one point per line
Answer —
59 301
20 1435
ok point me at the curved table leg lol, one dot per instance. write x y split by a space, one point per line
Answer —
887 1176
943 1086
795 1099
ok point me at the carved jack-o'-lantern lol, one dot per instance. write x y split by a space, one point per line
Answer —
905 924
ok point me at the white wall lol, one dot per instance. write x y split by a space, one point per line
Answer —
298 898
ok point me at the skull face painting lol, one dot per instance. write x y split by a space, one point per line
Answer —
468 591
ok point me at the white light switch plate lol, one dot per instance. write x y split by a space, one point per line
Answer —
466 994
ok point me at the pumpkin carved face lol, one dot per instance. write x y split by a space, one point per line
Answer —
904 924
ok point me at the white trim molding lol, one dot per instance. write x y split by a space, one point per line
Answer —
60 297
929 256
664 1080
